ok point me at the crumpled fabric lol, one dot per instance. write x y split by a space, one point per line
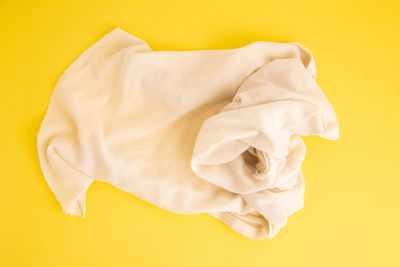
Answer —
207 131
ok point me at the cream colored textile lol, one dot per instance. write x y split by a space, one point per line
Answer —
213 131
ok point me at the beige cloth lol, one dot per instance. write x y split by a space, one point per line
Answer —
213 131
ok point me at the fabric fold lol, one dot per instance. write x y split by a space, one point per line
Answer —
253 146
206 131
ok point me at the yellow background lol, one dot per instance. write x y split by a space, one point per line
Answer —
352 204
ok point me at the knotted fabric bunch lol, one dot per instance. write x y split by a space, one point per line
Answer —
207 131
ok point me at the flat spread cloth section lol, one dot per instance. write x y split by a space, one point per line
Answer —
207 131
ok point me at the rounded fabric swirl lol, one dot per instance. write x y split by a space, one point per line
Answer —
253 146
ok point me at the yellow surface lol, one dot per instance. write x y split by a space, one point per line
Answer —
352 205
